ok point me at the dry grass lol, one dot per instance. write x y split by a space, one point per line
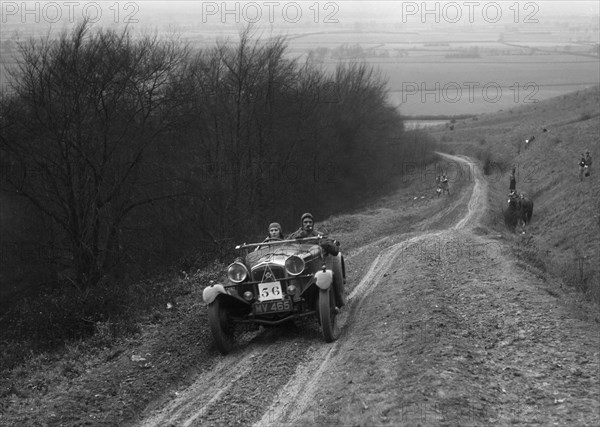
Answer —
563 239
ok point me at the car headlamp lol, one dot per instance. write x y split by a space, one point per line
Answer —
294 265
237 272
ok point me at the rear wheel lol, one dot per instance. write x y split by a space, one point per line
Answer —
221 326
327 314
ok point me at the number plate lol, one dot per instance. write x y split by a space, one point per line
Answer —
272 307
269 291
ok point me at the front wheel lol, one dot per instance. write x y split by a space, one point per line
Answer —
221 326
327 314
339 279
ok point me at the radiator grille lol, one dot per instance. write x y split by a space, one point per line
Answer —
268 274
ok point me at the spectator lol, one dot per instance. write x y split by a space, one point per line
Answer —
582 167
513 181
588 163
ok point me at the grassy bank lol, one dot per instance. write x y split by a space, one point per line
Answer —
563 239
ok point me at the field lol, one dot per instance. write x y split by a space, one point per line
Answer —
431 69
448 74
482 86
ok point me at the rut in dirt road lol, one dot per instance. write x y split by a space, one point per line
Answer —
456 332
257 376
297 397
442 328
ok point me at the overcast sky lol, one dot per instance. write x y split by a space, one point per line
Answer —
330 15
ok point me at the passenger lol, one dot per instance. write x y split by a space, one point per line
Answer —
275 232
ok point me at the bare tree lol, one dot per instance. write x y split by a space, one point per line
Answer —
88 109
103 125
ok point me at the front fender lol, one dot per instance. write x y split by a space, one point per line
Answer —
211 292
324 279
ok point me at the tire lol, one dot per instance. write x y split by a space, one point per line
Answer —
220 326
338 280
327 314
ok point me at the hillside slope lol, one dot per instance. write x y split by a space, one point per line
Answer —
442 328
563 238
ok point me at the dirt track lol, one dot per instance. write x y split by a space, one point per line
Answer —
442 328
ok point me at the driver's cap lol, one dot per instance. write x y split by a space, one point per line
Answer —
306 215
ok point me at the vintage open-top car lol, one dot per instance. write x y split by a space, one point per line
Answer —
278 281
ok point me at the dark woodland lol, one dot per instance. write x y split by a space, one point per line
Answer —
126 156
